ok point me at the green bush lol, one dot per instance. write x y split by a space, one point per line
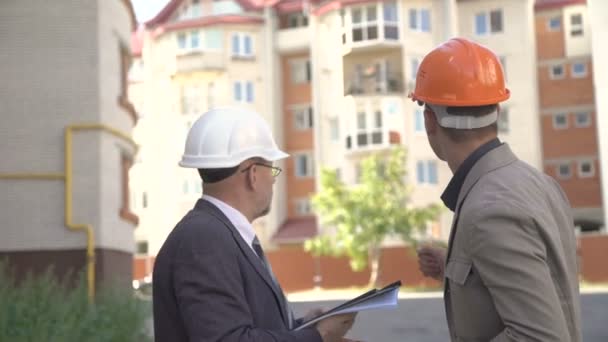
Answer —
44 308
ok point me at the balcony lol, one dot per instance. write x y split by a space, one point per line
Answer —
200 61
293 39
371 140
374 87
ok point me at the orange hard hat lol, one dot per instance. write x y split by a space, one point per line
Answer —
460 73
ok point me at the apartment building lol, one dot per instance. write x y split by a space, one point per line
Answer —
192 56
332 78
347 69
65 139
597 19
568 113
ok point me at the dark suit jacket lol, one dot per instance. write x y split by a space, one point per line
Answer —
209 285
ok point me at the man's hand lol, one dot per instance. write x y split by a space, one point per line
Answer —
333 329
313 313
431 261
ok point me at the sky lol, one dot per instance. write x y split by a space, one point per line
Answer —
147 9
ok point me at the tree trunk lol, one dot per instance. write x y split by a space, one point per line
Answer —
374 261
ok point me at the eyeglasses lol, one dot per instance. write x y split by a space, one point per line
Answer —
275 170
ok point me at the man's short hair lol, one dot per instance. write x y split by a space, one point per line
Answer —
216 175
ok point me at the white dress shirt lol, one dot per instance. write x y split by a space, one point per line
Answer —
239 220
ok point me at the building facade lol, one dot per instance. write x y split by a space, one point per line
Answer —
65 140
333 79
568 114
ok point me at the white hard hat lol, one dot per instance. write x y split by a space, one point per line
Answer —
225 137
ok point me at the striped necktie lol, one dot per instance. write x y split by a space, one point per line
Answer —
260 252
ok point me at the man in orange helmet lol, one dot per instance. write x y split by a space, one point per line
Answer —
510 267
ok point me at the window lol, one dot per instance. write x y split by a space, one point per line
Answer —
213 39
503 120
576 25
391 20
583 119
556 72
243 91
426 172
420 19
220 7
298 19
578 70
555 24
242 45
300 71
414 64
303 118
560 121
503 63
303 165
194 40
564 171
197 186
586 169
185 187
188 41
303 206
334 129
364 23
488 22
190 100
144 200
142 247
419 121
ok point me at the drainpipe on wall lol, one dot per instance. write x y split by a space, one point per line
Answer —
67 177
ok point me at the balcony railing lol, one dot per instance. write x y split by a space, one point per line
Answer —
392 84
372 139
200 61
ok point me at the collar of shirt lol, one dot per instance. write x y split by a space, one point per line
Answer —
240 222
451 192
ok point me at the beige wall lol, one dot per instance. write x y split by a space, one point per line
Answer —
61 75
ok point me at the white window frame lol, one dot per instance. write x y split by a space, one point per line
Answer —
551 28
244 87
419 117
578 74
240 42
303 206
299 70
309 165
302 117
557 125
365 24
586 124
414 66
426 172
417 27
334 130
583 174
574 28
488 22
558 172
553 76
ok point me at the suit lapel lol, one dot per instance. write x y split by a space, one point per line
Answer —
253 259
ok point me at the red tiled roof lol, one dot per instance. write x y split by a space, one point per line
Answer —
137 42
172 5
548 4
296 230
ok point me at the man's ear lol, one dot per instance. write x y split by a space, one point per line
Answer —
252 177
430 121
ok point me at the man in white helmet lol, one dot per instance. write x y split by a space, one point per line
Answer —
510 269
212 281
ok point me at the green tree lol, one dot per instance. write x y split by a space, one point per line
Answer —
364 214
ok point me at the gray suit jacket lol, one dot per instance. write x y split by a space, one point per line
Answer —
208 285
511 271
